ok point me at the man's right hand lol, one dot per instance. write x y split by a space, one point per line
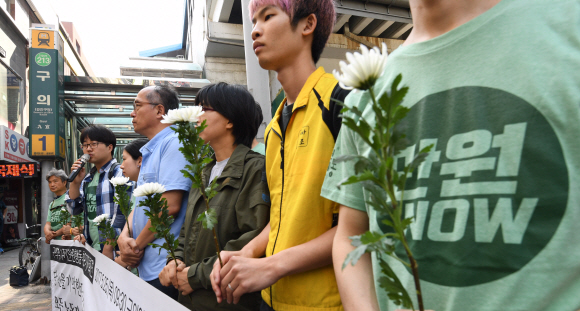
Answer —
81 238
130 252
49 236
168 275
81 174
215 277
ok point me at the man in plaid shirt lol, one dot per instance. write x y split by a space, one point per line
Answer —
92 193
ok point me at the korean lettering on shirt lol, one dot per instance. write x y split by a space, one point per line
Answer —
465 155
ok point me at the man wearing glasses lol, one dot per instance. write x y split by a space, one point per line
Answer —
162 162
92 193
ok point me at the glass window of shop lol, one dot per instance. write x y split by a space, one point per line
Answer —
10 99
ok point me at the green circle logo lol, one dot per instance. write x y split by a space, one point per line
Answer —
42 59
493 191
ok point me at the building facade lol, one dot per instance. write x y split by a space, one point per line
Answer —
21 189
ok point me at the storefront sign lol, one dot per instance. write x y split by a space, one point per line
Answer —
84 279
11 215
18 170
13 146
47 122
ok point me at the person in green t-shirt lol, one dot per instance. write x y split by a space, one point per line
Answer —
53 228
256 145
493 87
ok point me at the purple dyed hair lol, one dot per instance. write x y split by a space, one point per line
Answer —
299 9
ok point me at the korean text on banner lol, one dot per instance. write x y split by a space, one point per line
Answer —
84 279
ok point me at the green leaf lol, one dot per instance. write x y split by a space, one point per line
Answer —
347 158
392 285
399 141
366 175
208 219
354 256
338 102
363 130
420 157
406 222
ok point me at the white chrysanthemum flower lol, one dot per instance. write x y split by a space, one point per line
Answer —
100 218
149 188
363 69
188 114
120 181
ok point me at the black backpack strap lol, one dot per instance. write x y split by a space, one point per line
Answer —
112 170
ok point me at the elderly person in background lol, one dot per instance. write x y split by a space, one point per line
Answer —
53 229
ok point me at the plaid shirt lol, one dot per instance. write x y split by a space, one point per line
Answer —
105 199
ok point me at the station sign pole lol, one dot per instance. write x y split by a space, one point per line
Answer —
46 110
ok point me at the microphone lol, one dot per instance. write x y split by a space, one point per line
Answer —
84 158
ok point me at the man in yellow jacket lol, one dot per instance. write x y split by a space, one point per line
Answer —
296 272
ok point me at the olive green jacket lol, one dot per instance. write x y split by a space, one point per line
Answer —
243 210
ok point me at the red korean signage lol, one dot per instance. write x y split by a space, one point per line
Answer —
18 170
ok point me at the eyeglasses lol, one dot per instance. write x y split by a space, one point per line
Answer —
204 109
92 145
138 106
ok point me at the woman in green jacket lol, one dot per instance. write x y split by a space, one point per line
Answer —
242 202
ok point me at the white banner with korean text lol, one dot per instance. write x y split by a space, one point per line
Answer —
84 279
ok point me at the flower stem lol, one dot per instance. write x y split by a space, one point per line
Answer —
175 261
128 227
394 212
217 246
415 270
215 239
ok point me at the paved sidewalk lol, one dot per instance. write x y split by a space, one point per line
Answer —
32 297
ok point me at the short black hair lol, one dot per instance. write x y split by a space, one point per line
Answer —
165 95
237 105
100 133
259 117
133 148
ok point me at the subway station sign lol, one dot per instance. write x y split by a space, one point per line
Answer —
46 96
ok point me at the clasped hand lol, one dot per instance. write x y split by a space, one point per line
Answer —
176 276
240 275
130 252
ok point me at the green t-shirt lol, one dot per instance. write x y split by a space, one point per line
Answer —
91 210
53 215
495 204
260 148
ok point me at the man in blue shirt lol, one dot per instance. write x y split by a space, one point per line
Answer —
162 162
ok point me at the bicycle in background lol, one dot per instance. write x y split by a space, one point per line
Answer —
29 256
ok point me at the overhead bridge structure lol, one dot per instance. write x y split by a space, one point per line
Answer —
109 102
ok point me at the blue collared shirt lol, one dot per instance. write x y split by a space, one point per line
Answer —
105 200
162 162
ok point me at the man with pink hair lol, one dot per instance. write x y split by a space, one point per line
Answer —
296 272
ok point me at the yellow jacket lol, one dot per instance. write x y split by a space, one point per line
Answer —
295 170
